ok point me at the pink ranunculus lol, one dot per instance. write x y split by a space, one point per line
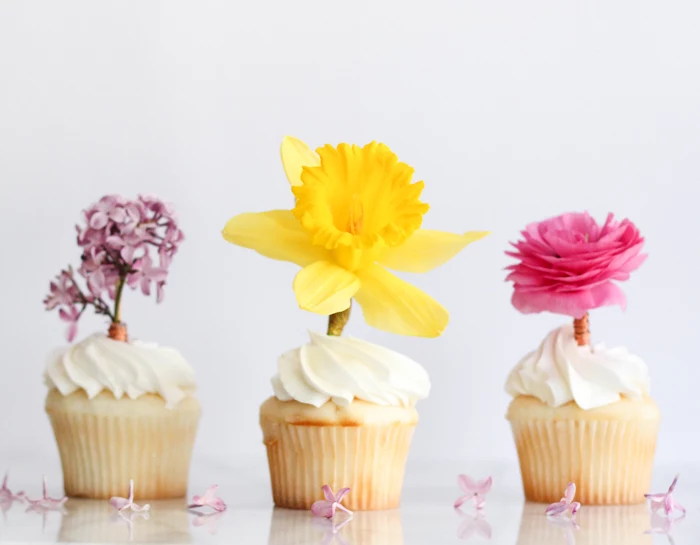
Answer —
567 264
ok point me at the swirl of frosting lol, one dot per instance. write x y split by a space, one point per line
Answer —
560 371
124 368
341 369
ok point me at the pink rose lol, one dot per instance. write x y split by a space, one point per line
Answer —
567 264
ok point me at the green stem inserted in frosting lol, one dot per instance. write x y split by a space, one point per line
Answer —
337 322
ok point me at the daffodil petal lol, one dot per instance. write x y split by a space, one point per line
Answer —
325 288
390 304
295 155
425 250
276 234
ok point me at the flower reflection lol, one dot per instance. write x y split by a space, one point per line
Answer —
129 518
332 530
569 526
664 525
95 521
207 520
599 525
364 527
473 525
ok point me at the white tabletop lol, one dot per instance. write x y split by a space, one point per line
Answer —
425 517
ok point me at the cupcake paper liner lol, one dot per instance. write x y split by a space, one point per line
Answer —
609 459
105 442
369 459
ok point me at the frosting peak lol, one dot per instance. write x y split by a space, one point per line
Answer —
560 371
124 368
343 368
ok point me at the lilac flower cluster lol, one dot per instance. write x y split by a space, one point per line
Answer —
121 240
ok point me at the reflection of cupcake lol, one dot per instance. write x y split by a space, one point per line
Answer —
368 528
120 409
580 413
609 525
92 521
343 412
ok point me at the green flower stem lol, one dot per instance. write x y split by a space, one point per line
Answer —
337 321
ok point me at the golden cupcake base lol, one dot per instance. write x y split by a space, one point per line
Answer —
363 447
608 451
105 442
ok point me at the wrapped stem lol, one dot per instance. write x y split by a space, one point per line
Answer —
117 331
581 332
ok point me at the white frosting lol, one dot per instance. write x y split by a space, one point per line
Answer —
124 368
560 371
342 369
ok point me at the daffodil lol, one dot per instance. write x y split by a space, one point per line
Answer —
357 213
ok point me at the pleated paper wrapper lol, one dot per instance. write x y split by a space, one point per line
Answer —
105 442
608 454
370 459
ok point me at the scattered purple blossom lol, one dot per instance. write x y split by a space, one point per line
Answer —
46 503
474 491
566 504
665 500
121 504
327 508
209 499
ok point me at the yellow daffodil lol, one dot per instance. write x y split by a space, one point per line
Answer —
357 211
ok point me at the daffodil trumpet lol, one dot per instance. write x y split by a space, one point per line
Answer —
356 212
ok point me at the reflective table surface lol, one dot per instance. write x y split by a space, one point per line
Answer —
425 517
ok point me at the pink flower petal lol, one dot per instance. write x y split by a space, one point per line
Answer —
98 220
678 506
217 504
673 485
119 503
328 493
657 505
466 483
323 508
484 486
668 504
459 501
570 492
557 508
655 497
341 494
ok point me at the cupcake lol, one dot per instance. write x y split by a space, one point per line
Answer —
580 412
343 411
120 409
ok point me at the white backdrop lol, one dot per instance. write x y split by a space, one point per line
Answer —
510 111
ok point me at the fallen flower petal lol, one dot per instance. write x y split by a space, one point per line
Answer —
6 494
209 499
566 504
326 508
665 501
475 491
46 502
120 504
